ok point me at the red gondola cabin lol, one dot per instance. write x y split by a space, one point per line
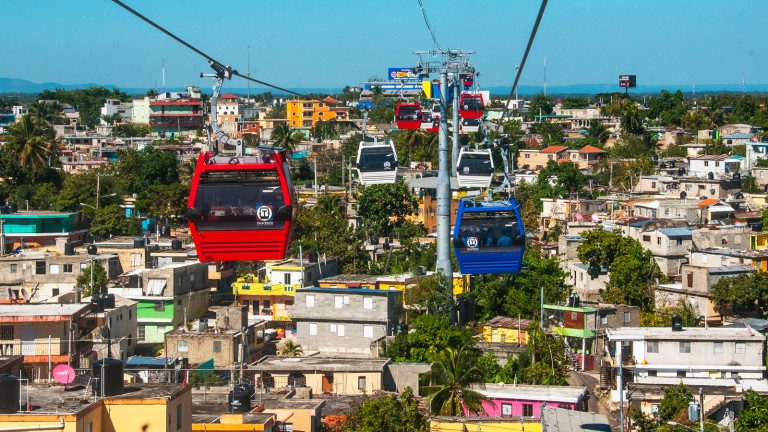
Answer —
471 105
408 115
241 208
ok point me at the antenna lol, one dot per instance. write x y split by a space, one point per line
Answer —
27 296
545 76
163 75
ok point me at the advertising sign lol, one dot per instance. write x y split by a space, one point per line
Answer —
397 74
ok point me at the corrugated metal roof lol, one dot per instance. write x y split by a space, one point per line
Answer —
677 232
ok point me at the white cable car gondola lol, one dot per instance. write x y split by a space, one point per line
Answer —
376 162
474 168
470 125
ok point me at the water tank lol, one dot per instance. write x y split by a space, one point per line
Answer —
4 209
97 304
69 248
165 231
711 175
109 301
91 249
693 411
13 208
176 244
138 243
574 301
9 394
677 323
736 176
663 165
683 195
240 398
588 196
314 256
681 171
113 377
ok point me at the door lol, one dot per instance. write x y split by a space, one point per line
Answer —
27 340
327 383
495 335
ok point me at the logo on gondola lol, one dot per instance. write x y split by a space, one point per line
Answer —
466 170
387 165
264 213
472 242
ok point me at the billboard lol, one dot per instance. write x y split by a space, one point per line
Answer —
397 74
627 81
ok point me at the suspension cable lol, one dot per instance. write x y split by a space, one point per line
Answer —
429 26
522 63
228 71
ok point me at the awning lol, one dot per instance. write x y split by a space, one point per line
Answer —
721 209
155 287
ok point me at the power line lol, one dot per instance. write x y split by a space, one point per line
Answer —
216 64
522 63
429 27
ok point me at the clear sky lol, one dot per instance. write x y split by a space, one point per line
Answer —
332 43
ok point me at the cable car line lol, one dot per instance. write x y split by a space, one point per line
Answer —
522 63
429 27
226 71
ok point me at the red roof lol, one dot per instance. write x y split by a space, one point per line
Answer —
708 202
227 96
553 149
330 100
533 142
590 149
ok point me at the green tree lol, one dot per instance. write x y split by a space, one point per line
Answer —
560 179
696 121
164 202
431 334
383 207
575 103
715 147
552 133
754 417
631 120
285 137
675 402
111 221
35 142
453 373
744 293
598 131
550 366
523 288
667 108
539 105
83 281
385 413
529 200
291 349
744 108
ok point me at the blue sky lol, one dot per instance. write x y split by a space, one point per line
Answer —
332 43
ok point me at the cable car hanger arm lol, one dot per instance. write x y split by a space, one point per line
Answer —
229 72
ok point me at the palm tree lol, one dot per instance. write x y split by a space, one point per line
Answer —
285 137
329 204
631 123
598 131
453 372
35 141
50 112
291 349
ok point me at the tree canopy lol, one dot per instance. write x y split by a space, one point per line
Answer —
383 207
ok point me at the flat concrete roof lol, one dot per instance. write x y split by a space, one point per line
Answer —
688 333
532 392
10 311
335 364
564 420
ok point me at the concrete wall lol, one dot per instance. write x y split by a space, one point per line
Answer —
398 376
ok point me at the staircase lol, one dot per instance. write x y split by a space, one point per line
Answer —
569 354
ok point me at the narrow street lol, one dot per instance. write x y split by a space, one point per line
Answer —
591 381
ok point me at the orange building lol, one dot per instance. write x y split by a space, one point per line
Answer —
305 113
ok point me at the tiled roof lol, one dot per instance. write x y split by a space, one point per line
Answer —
553 149
708 202
590 149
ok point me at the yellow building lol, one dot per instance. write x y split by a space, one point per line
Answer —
506 330
305 113
148 408
758 241
484 424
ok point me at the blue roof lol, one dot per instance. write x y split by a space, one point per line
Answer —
145 361
676 232
639 224
739 136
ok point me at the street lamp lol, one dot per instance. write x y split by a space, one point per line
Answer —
88 205
674 423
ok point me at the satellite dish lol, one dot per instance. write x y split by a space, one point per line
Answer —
63 374
24 293
12 294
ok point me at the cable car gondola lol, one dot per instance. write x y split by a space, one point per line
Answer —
426 120
377 162
408 115
474 168
489 237
470 125
471 105
241 207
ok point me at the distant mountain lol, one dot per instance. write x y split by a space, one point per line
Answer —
13 85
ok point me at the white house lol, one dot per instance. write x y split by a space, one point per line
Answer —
717 165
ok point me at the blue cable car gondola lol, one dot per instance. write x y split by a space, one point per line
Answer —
489 237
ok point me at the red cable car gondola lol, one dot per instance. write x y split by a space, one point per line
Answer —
241 207
471 105
408 115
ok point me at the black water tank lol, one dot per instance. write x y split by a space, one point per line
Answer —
13 208
108 300
239 399
680 171
588 196
113 377
176 244
663 165
165 231
9 394
5 210
711 175
683 195
91 249
677 323
69 248
138 243
314 256
736 176
97 304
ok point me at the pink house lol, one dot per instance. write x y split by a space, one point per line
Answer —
508 400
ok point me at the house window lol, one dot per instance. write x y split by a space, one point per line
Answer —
217 346
506 410
130 339
627 317
368 331
338 302
313 329
40 267
647 238
14 268
287 278
706 163
178 416
310 301
181 346
160 307
741 347
653 346
679 242
690 278
142 333
718 347
658 240
67 268
527 410
367 302
54 292
130 314
723 241
53 269
685 347
603 320
652 373
361 383
681 374
340 330
574 315
6 332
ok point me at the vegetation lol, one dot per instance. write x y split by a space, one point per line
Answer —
385 413
453 373
291 349
383 207
83 281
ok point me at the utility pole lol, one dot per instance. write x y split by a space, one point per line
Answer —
456 97
701 409
444 187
